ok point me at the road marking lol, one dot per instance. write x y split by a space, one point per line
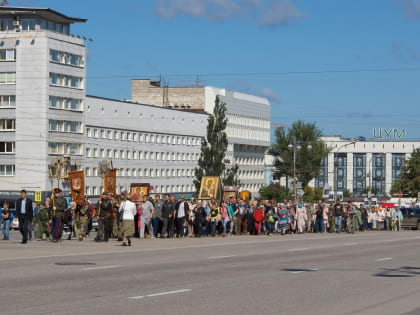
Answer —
221 257
160 294
104 267
298 249
295 272
266 241
382 259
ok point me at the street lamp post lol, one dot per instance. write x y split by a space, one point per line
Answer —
336 168
295 146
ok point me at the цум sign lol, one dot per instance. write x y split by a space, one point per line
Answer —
391 133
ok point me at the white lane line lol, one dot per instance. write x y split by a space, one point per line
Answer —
221 257
104 267
301 271
382 259
296 272
160 294
298 249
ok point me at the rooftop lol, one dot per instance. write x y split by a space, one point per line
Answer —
45 13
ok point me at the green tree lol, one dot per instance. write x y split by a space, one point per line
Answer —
312 194
409 181
212 161
275 192
308 162
347 193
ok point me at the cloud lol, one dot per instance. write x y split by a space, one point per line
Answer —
270 94
247 87
411 8
401 51
279 13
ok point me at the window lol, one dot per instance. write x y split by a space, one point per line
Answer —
359 174
7 147
88 152
109 134
7 124
322 178
89 132
64 81
66 126
398 161
66 103
65 148
7 77
7 54
378 174
7 25
28 24
7 170
8 101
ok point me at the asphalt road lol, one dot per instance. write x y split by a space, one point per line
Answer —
365 273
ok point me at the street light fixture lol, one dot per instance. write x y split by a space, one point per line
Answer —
336 168
295 146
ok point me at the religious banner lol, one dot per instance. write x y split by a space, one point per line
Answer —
138 191
209 187
110 182
245 195
229 192
77 185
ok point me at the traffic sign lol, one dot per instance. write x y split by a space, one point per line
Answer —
38 196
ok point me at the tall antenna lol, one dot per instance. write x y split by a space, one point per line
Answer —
4 3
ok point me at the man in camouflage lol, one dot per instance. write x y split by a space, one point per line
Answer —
83 218
104 214
58 210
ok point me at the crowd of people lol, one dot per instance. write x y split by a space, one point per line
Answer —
122 218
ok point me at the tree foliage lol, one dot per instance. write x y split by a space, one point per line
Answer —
312 194
409 183
308 162
212 161
275 192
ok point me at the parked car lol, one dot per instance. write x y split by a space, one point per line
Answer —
411 218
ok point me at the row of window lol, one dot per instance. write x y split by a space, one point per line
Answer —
7 54
146 172
7 124
250 174
248 161
7 147
7 170
7 77
65 148
66 126
55 27
66 103
244 132
64 80
248 121
140 155
141 137
66 58
7 101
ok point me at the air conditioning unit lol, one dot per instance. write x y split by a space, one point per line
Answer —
16 23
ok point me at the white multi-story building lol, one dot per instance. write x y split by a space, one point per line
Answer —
360 163
45 113
248 128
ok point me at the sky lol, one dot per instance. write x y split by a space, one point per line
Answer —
349 66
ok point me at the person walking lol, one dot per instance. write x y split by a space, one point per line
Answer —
157 215
126 212
59 206
147 211
258 218
397 218
214 211
104 215
319 222
388 218
241 214
181 214
42 222
224 213
338 212
331 219
83 218
5 221
24 211
301 218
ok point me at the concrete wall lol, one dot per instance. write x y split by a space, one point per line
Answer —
189 97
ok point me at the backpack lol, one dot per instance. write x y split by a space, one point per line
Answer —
258 215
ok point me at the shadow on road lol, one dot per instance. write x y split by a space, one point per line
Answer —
402 272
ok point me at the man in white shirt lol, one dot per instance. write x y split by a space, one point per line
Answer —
127 212
147 211
181 213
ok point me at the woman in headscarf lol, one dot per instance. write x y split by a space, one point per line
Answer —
301 217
